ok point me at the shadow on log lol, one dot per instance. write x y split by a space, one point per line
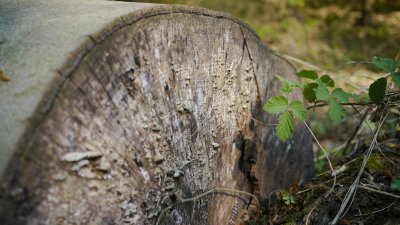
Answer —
117 110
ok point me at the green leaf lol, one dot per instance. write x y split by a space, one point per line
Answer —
286 88
285 126
327 80
321 92
340 95
310 74
288 198
396 78
276 104
296 84
396 184
287 85
377 90
336 111
292 199
298 110
387 65
309 92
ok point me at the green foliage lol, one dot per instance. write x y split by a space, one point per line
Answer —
296 3
322 90
285 126
289 110
396 78
328 80
310 74
375 163
276 104
377 90
287 85
340 95
309 92
298 110
288 198
396 184
387 65
336 111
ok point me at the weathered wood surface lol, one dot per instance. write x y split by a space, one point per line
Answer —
116 109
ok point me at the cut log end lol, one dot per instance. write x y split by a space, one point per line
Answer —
156 109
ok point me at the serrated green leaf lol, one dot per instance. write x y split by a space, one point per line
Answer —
322 92
287 85
298 110
286 88
285 126
387 65
396 78
336 111
276 104
309 92
340 95
297 84
377 90
327 80
310 74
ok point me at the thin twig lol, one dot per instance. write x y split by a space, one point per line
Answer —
347 103
355 132
380 210
352 190
212 191
309 214
379 192
327 157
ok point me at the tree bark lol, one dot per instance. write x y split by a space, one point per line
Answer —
115 111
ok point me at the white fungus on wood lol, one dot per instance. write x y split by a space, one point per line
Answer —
215 145
77 156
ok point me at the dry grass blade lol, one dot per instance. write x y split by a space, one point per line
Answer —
353 188
327 157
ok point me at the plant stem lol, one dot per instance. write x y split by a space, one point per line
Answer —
327 157
348 103
353 188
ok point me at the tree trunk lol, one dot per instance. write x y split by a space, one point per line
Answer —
116 110
366 12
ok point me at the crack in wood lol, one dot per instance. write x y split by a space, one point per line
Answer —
251 64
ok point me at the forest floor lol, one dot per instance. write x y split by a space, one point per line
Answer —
376 199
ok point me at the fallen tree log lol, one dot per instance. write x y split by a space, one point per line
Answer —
114 111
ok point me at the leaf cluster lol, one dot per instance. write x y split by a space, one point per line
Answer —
290 110
288 198
321 89
377 90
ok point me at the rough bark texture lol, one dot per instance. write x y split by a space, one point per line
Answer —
161 104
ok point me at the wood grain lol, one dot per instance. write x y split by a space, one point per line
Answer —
150 112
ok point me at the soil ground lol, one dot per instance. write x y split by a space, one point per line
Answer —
375 201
